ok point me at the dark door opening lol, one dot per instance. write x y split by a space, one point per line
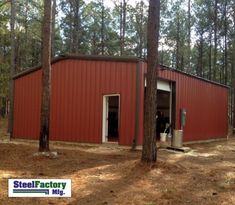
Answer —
166 102
110 118
113 113
163 112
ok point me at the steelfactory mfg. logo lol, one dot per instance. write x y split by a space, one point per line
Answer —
39 187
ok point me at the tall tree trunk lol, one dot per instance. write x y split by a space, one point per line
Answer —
149 152
178 43
182 61
233 68
13 67
189 36
46 77
53 28
74 6
141 32
121 28
76 31
200 59
124 25
210 54
225 44
215 40
71 42
102 28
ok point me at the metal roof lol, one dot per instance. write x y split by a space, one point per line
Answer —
110 58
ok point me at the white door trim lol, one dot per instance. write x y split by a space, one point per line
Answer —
170 108
105 115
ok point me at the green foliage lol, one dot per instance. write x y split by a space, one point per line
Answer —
4 50
92 27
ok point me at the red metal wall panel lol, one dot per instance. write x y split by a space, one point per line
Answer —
77 93
78 87
206 104
27 104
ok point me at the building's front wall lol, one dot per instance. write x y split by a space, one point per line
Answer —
77 92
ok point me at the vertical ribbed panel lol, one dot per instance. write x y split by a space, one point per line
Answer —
206 106
78 87
27 104
77 93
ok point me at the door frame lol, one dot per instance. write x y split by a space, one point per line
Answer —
105 116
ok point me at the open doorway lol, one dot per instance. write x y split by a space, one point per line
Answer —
110 131
166 102
163 111
165 106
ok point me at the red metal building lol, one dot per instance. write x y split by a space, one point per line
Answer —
99 99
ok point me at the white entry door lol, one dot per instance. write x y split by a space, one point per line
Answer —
105 117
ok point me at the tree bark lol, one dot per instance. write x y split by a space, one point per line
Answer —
178 44
102 28
233 68
71 42
141 32
13 67
46 77
215 41
200 59
53 31
76 31
122 26
189 36
225 44
149 152
210 54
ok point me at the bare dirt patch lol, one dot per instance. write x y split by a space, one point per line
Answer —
111 175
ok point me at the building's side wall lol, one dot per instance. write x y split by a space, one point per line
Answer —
77 93
27 104
206 105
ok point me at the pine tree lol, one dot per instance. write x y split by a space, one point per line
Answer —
149 152
46 77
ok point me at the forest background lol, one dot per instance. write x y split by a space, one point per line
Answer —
196 36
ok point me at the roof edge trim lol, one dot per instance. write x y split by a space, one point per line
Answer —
79 57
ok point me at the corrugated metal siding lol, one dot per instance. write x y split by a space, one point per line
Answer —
206 104
78 87
27 104
77 93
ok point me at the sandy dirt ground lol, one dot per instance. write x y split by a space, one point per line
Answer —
108 174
